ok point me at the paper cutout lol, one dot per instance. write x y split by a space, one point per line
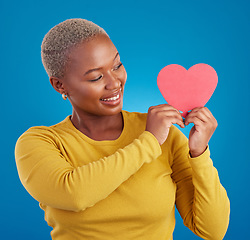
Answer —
187 89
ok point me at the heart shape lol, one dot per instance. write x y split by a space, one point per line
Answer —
187 89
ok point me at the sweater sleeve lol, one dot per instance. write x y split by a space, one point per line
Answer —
52 181
200 198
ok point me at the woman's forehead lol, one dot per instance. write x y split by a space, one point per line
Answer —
94 52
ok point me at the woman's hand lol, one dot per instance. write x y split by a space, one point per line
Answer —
159 120
203 129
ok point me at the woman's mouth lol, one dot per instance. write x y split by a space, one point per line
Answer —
114 100
111 99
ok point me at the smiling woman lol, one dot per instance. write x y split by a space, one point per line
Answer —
94 82
105 173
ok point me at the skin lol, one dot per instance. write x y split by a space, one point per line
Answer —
100 120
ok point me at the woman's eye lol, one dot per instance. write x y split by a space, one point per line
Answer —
117 67
96 79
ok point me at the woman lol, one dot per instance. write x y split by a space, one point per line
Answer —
105 173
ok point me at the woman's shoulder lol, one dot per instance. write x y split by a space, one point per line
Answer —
46 131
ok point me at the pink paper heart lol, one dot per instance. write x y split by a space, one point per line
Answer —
187 89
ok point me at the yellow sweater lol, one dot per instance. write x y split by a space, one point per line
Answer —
122 189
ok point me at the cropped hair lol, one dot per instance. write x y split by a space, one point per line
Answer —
61 39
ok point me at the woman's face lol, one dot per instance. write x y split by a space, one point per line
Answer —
95 77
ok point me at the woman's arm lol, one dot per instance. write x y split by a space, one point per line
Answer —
51 180
200 198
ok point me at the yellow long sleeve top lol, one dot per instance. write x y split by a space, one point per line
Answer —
121 189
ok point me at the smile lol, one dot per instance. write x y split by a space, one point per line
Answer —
111 99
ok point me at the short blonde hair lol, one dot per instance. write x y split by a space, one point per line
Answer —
58 42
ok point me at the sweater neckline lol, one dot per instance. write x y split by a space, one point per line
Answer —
101 142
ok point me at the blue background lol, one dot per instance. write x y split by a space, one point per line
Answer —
148 36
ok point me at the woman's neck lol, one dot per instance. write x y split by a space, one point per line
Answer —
98 128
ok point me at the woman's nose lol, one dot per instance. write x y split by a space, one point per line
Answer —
112 82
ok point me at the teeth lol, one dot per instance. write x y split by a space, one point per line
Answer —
111 99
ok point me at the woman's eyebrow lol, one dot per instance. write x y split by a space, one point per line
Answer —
91 70
96 69
117 54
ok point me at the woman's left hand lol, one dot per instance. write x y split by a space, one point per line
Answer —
203 129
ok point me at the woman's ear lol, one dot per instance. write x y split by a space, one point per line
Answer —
57 84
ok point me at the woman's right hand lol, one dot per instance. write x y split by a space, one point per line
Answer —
159 120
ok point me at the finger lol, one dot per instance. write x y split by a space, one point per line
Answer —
175 120
204 110
196 121
207 112
165 107
210 116
172 114
167 112
200 113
